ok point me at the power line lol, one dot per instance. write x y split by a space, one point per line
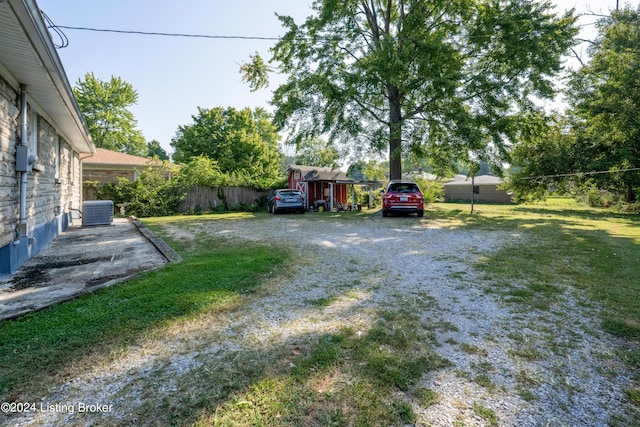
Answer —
64 41
580 174
153 33
57 28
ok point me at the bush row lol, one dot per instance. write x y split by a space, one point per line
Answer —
160 189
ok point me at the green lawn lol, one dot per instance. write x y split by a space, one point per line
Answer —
566 244
41 348
569 244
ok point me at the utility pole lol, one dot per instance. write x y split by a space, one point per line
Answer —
473 190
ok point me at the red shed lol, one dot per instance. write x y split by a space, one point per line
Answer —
318 184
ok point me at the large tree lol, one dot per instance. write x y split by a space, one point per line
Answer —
105 107
605 95
238 140
446 79
598 140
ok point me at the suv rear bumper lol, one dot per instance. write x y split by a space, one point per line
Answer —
395 209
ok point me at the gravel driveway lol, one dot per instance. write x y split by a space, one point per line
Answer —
387 263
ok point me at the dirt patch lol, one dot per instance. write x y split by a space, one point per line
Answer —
39 276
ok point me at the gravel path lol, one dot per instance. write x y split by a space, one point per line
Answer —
575 380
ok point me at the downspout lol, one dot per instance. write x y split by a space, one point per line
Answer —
23 174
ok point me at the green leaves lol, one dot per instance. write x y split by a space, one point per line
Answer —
443 77
605 96
316 152
255 73
105 107
237 140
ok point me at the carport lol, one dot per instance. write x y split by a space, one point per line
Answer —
370 184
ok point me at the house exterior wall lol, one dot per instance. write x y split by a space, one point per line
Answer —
9 185
486 193
53 186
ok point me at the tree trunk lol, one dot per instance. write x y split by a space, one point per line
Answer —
395 133
631 195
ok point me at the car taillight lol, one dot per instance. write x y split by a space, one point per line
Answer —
277 197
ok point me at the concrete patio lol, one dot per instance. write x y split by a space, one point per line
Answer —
82 260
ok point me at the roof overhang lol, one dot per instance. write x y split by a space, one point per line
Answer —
28 56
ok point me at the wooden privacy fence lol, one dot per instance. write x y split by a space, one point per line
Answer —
89 192
213 198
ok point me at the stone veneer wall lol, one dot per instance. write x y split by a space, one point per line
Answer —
9 184
52 194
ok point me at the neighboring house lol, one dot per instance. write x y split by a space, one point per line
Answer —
323 185
420 174
107 166
486 189
42 135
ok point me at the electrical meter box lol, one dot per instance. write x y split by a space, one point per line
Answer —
22 158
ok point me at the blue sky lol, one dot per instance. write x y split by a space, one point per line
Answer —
174 76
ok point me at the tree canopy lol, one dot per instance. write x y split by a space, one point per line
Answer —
605 95
317 152
599 138
105 107
443 79
237 140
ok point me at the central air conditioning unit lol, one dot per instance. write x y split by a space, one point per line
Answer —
97 212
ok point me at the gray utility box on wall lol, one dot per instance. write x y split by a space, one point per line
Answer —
22 158
97 212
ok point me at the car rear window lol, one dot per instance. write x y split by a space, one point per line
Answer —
403 188
290 193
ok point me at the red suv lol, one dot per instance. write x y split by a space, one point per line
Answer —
402 196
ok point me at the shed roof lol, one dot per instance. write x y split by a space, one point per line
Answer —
478 180
104 157
317 173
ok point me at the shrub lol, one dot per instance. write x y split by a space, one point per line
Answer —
159 190
154 193
630 207
432 191
599 198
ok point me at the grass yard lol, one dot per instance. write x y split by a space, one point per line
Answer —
62 341
568 246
